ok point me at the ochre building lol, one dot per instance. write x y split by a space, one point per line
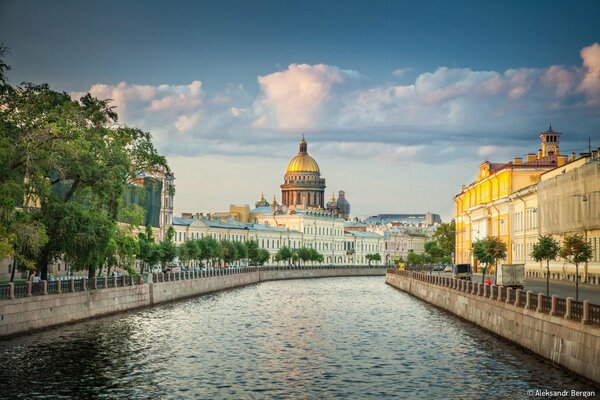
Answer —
484 207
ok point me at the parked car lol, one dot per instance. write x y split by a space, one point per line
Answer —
448 268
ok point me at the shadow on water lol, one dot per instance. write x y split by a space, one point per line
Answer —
323 338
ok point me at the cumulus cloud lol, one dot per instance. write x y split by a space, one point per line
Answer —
297 98
591 82
444 110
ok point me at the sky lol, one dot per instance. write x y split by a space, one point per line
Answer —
400 102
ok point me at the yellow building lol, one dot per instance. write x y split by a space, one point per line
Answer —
483 207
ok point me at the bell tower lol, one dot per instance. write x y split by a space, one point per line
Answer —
550 141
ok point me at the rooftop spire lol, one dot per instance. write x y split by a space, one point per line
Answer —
303 145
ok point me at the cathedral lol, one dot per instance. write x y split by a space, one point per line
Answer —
304 188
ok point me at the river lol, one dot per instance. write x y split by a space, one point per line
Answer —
331 338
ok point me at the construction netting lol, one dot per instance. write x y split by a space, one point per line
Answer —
570 201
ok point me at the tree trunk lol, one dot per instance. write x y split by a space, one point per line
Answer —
42 264
91 272
577 282
12 273
547 278
483 276
496 273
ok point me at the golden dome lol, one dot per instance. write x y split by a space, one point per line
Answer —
303 162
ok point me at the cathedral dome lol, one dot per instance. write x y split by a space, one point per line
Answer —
303 162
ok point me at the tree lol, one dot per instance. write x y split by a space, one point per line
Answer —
547 248
252 250
67 159
284 254
149 252
373 257
229 252
27 240
304 254
126 249
210 249
242 250
480 252
183 253
262 257
576 250
489 251
445 236
314 255
167 250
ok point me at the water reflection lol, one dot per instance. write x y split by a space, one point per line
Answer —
323 338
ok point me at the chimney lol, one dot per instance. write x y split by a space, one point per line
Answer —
530 157
562 160
573 156
539 154
518 161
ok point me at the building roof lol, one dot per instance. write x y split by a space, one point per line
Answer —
228 224
364 234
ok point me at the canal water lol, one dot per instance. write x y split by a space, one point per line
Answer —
333 338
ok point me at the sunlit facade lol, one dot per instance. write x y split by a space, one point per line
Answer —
483 208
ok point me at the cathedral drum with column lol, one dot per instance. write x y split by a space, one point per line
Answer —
303 186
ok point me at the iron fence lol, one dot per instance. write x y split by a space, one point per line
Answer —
594 313
561 307
546 304
576 309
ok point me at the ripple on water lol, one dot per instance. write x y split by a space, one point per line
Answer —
325 338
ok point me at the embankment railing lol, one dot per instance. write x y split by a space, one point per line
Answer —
13 291
583 311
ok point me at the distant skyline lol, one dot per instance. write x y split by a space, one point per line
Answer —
399 101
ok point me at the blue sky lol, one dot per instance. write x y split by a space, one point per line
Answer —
395 97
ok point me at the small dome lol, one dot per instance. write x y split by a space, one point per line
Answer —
303 162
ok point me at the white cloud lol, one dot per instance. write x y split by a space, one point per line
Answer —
297 98
591 82
400 72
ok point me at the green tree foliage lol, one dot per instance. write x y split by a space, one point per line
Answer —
167 250
304 254
210 249
547 248
253 250
445 236
242 250
229 252
70 163
435 253
149 252
27 240
373 257
314 255
262 257
488 251
416 261
284 254
576 250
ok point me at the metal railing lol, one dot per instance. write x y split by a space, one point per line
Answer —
576 309
82 284
585 311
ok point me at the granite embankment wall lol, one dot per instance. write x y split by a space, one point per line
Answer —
27 314
568 343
